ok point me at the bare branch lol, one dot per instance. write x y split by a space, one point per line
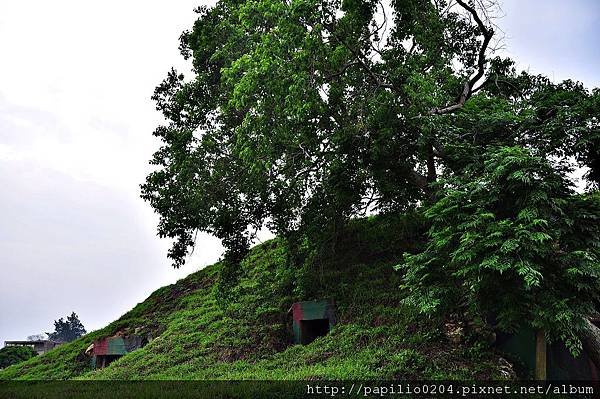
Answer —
341 71
468 86
418 179
358 57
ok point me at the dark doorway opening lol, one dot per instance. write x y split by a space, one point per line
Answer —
104 360
313 329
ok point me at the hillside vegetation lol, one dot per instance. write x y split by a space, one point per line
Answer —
10 355
195 336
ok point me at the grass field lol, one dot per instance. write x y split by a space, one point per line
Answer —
194 336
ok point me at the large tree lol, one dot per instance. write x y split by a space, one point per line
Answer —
302 114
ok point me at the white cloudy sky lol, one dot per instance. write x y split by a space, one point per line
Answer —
75 136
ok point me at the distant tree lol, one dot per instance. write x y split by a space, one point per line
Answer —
67 330
15 354
37 337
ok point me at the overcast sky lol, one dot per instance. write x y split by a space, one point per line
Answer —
75 137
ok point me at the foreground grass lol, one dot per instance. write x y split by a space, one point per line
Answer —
195 337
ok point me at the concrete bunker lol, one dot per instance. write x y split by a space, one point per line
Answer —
106 350
311 320
559 363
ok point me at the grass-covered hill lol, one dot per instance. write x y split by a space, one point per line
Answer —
194 336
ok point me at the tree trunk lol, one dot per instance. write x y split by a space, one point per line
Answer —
590 338
431 172
540 355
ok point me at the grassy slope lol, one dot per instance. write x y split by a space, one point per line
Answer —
194 338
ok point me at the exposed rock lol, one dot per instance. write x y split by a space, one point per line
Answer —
507 369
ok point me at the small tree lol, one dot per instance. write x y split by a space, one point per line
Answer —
67 330
37 337
511 243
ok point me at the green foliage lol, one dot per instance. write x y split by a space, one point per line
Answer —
511 243
293 120
10 355
302 115
67 330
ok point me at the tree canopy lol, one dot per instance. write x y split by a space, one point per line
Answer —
67 330
302 114
36 337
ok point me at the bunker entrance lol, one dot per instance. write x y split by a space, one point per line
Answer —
313 329
312 319
104 360
106 350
